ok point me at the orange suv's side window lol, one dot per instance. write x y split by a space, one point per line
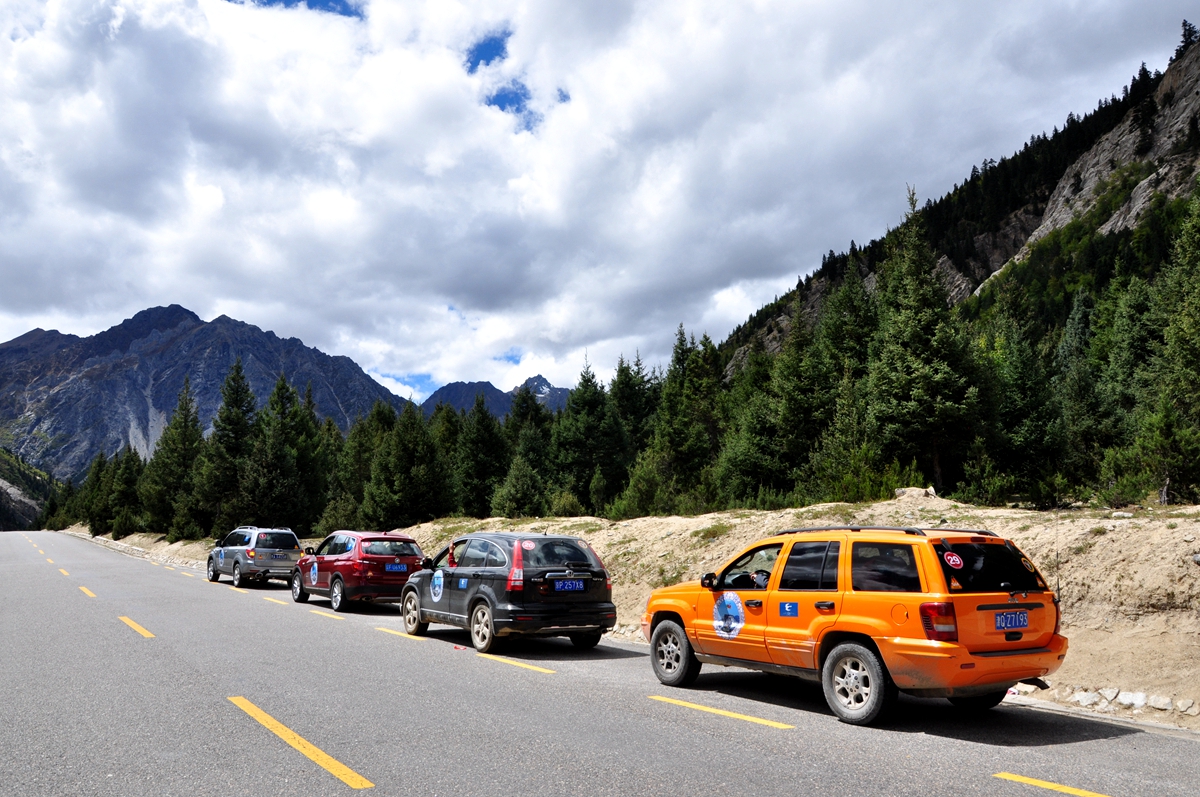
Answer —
884 567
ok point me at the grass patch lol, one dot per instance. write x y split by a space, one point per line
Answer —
1099 531
669 574
1172 525
584 527
713 532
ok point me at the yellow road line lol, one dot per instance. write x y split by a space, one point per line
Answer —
43 553
88 592
189 575
1045 784
710 710
154 563
514 663
274 600
401 633
165 567
64 572
51 561
310 751
326 614
243 591
136 627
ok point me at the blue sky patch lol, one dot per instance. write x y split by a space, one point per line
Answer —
513 356
563 96
493 47
343 8
514 99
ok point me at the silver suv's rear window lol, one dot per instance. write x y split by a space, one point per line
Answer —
987 567
390 548
279 540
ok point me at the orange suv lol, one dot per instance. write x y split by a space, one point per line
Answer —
867 612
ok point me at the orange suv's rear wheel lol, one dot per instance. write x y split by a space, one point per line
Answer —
856 684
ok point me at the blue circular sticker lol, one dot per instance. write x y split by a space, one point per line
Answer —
312 573
435 586
728 615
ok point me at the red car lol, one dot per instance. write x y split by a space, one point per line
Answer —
351 566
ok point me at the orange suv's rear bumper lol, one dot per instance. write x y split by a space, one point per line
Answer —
947 669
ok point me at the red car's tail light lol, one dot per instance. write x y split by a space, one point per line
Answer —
516 576
939 621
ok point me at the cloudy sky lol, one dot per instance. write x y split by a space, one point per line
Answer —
485 191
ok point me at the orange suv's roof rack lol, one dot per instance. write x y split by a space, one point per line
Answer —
906 529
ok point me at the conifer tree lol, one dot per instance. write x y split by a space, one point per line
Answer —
167 478
217 483
522 493
125 503
410 481
588 438
94 496
272 487
528 430
351 468
482 460
634 392
921 398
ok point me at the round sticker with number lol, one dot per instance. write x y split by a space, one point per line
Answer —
528 545
953 559
435 586
1028 564
728 615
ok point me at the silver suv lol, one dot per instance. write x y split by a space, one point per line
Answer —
249 552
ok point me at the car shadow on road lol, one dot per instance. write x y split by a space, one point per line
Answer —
1004 726
535 650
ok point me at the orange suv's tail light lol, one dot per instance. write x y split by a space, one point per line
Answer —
939 621
1057 616
516 576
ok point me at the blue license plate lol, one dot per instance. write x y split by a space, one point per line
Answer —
569 585
1008 621
393 568
279 556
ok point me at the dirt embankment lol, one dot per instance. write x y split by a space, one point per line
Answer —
1129 582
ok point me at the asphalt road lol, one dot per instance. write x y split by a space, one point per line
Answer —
92 706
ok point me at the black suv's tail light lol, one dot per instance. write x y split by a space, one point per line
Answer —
607 575
516 576
939 621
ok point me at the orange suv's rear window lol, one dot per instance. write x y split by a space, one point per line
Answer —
986 567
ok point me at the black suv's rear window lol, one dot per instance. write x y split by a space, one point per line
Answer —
986 567
390 548
556 553
279 540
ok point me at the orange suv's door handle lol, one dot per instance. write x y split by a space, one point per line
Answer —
825 605
754 604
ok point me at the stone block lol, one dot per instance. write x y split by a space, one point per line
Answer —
1160 702
1134 700
1110 693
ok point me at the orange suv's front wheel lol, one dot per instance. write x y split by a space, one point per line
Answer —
675 664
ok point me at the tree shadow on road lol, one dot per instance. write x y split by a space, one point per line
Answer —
1004 726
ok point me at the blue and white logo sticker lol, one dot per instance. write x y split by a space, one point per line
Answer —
435 586
312 573
221 553
787 609
728 615
462 583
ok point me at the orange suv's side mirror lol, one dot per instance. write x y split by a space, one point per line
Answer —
708 580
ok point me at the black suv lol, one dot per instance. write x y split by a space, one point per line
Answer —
501 584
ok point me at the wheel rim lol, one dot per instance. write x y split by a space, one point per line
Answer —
295 586
210 568
410 614
668 653
481 627
852 683
335 596
237 576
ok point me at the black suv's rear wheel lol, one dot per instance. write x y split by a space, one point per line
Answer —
298 593
671 655
213 573
856 685
483 634
238 581
585 641
979 702
411 611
